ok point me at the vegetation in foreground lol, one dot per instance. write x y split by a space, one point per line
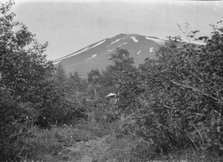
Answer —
168 109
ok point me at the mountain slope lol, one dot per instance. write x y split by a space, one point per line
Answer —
96 56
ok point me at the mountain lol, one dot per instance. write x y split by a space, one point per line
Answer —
96 56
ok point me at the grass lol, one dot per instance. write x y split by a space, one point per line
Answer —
58 143
94 142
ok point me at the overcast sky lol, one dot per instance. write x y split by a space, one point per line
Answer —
71 25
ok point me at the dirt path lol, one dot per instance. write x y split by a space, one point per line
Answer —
90 151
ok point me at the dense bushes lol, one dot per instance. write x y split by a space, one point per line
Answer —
28 86
175 100
187 83
181 104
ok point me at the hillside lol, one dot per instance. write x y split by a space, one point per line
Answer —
96 55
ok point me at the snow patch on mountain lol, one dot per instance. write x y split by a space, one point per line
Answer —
73 54
56 62
138 52
125 36
134 39
76 53
155 40
124 43
81 51
113 42
97 44
94 55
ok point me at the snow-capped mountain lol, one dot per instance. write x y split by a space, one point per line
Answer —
96 56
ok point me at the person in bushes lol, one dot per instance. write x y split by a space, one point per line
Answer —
112 98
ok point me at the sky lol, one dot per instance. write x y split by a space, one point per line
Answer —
69 25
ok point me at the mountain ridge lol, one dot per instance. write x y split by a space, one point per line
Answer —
96 55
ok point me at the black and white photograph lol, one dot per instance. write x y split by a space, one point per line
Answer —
111 81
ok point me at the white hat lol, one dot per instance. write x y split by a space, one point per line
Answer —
111 95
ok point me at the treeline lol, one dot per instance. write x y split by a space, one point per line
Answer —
30 91
173 102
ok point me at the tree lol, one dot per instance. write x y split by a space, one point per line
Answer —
27 89
182 99
93 79
124 79
74 84
60 74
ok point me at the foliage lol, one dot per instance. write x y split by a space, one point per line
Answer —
24 73
93 80
181 106
74 143
173 102
28 87
60 75
122 78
